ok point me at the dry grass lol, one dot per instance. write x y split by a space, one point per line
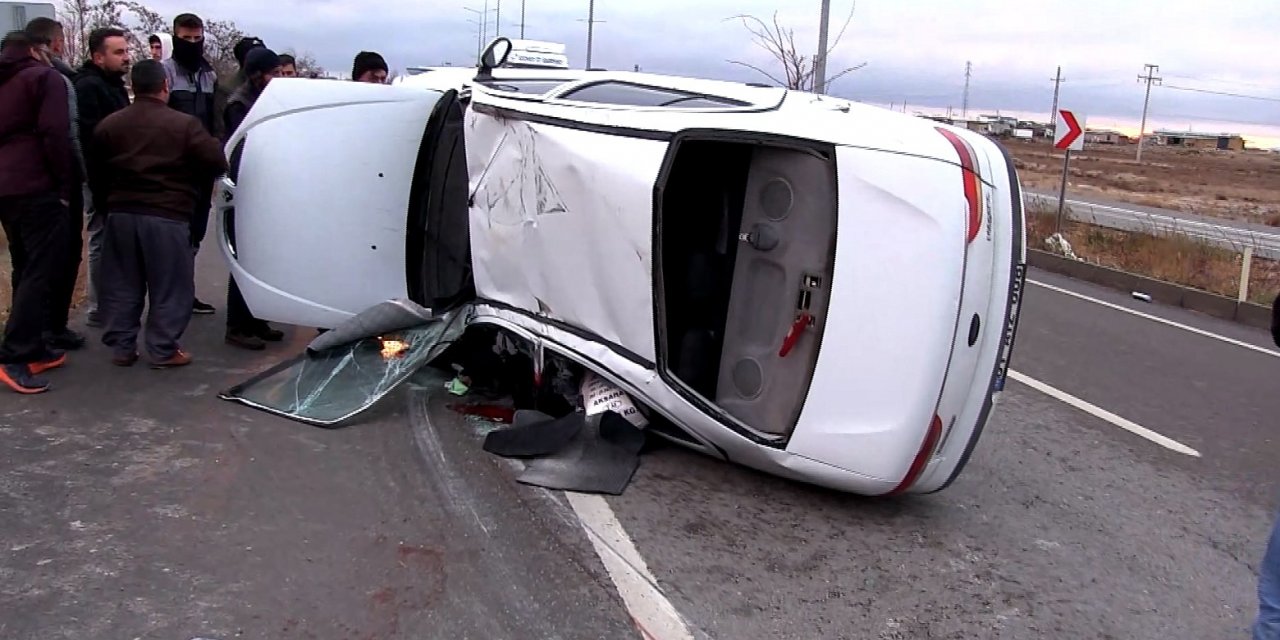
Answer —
1227 184
1171 258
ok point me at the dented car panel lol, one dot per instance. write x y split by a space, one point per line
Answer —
561 224
751 273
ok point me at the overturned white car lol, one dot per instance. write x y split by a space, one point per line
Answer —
811 287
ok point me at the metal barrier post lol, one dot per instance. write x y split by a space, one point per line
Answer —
1245 266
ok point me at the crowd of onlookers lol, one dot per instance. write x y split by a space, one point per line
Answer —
78 151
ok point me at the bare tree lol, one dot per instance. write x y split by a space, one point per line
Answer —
144 23
79 17
780 42
220 38
307 66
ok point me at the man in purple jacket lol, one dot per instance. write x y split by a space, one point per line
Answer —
36 179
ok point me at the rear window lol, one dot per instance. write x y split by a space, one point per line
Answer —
638 95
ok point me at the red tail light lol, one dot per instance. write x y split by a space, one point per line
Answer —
972 186
931 438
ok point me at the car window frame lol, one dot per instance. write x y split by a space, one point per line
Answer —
565 96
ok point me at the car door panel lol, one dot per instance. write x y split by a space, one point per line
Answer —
320 202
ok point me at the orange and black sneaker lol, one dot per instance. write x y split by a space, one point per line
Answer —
54 360
179 358
19 378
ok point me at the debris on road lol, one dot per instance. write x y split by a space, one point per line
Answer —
577 430
1141 296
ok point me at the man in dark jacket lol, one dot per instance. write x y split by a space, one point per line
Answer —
36 179
48 36
150 159
194 90
100 92
260 66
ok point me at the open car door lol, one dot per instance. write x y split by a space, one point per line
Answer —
326 209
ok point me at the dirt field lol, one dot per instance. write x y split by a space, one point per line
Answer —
1235 185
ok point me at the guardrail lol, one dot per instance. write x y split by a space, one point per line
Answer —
1246 242
1231 237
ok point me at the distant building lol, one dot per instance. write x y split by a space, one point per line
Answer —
1105 136
16 15
1196 140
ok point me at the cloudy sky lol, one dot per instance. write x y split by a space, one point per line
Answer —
915 49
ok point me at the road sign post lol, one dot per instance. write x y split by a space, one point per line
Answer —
1068 135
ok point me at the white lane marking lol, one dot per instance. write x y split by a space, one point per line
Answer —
1099 412
1179 325
652 612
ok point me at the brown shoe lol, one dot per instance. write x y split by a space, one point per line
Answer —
180 358
126 360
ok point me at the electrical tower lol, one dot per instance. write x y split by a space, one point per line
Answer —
1057 81
964 105
1151 77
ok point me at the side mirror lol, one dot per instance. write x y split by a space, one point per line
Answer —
495 55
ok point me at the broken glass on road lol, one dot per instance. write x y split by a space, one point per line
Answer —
329 386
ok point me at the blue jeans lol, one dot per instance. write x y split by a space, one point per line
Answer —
1267 626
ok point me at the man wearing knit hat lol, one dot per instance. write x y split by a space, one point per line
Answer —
261 65
369 67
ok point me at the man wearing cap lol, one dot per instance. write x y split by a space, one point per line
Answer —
369 67
261 65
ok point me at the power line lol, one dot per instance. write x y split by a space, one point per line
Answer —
1221 93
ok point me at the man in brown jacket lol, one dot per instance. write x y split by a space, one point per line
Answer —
148 159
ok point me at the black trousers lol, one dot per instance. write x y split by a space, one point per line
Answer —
36 227
64 284
200 216
146 258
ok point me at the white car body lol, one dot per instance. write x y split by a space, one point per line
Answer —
902 296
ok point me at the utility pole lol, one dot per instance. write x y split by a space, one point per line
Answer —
497 21
820 61
522 2
591 24
964 106
1151 70
486 21
482 18
1057 81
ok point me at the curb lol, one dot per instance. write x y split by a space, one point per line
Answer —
1245 313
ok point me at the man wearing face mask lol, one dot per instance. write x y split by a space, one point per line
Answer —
193 84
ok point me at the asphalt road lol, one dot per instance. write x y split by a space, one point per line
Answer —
134 504
1229 234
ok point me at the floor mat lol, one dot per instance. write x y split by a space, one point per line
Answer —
600 458
534 434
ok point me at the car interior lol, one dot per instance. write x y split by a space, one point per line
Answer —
746 236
